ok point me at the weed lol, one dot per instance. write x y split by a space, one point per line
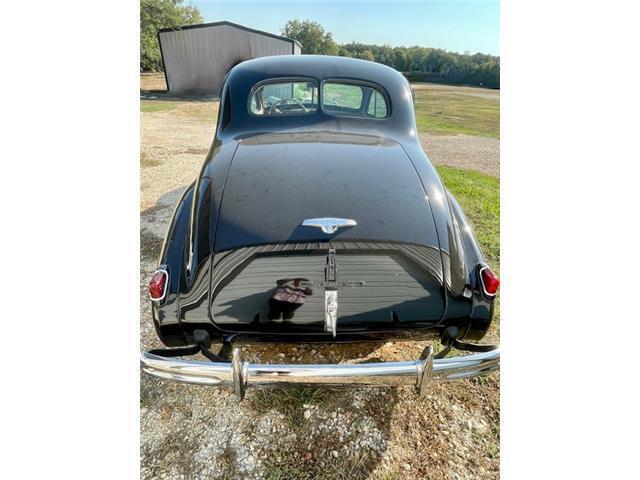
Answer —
289 401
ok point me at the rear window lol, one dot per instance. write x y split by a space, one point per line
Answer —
285 98
353 100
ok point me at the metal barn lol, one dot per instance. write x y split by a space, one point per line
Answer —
197 57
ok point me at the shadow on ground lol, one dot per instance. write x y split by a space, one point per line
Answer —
167 96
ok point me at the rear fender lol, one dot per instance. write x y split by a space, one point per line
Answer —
173 256
482 309
464 232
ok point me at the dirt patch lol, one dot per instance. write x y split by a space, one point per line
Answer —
463 151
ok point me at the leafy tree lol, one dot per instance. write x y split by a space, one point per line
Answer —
312 37
344 52
384 55
158 14
400 59
366 55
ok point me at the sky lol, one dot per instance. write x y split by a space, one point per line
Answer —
459 26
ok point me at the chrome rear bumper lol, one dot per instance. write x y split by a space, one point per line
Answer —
240 375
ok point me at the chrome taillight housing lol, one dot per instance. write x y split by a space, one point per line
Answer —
158 285
489 282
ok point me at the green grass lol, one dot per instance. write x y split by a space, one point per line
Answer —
352 466
289 401
479 197
152 106
451 114
288 472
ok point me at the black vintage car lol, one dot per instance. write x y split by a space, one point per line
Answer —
317 217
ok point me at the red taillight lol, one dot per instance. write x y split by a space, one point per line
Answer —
490 282
158 285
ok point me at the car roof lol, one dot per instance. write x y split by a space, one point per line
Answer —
319 66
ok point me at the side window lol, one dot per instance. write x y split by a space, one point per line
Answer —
377 106
284 98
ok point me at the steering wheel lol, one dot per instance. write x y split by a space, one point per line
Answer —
283 101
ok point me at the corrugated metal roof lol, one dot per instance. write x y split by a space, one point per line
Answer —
230 24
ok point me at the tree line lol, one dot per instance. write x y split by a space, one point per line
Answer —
431 64
416 63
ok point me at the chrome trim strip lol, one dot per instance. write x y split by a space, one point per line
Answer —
241 375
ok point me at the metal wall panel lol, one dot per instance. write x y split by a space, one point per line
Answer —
197 59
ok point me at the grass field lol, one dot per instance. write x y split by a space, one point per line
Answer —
151 106
441 112
196 110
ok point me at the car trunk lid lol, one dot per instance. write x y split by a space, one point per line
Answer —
277 181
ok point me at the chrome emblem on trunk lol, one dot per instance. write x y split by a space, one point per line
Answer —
329 225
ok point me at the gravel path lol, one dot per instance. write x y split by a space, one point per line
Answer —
193 432
173 146
463 151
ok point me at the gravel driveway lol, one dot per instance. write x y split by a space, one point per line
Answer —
193 432
463 151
